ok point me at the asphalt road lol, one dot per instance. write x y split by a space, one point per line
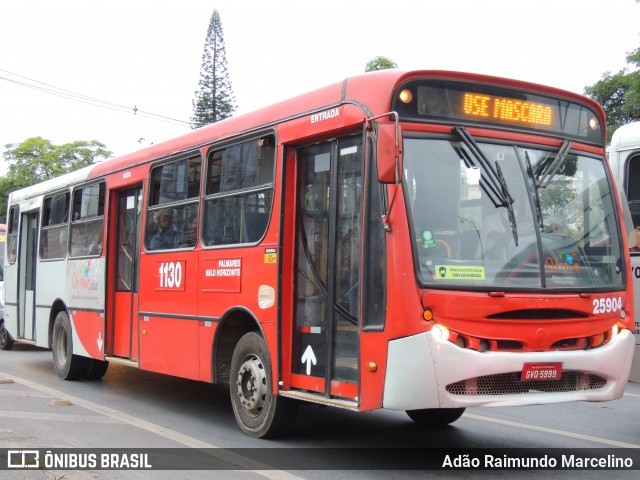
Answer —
138 410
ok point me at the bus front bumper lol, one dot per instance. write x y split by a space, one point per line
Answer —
426 372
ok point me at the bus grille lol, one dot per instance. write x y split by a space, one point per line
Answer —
510 383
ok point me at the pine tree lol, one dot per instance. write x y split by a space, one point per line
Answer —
215 100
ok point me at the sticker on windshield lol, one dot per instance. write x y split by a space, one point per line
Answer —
428 239
565 262
458 272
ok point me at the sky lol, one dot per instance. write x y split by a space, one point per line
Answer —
146 54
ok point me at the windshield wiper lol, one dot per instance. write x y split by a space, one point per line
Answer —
548 171
492 177
534 188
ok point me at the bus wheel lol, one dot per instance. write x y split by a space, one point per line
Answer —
95 369
259 412
68 366
6 342
435 417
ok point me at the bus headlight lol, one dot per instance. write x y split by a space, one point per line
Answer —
440 332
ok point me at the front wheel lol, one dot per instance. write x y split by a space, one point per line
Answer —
435 417
96 369
68 366
6 342
259 412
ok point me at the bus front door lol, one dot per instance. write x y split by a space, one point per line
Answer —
124 315
28 251
325 330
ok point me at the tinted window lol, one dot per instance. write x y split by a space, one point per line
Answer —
239 192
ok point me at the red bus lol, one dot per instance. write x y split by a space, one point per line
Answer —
420 241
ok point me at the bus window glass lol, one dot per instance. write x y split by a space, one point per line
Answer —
55 217
12 234
175 181
172 219
633 196
558 230
239 192
87 226
349 198
375 270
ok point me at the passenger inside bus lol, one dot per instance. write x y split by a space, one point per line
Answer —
165 238
636 247
95 247
189 232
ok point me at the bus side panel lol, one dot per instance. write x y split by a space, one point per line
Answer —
49 288
239 287
86 290
168 326
89 329
11 299
623 150
167 346
403 302
635 268
206 335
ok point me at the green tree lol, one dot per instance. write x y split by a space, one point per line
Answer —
36 160
214 100
380 63
619 94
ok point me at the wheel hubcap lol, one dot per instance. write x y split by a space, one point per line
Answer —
61 346
252 386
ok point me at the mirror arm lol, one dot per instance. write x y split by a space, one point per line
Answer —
369 127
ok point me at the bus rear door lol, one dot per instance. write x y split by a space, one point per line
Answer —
28 251
126 224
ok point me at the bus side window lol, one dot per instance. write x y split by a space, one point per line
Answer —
12 234
87 226
633 196
239 192
174 193
55 227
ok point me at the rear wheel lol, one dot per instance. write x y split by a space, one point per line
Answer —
435 417
6 342
259 412
67 365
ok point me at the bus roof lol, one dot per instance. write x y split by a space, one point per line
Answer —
51 185
373 96
626 137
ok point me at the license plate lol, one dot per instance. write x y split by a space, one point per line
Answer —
532 372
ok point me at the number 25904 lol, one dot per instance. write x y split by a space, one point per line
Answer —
607 305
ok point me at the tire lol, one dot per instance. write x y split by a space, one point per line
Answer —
6 342
435 417
68 366
259 412
95 369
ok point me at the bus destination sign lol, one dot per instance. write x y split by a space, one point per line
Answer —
458 102
506 109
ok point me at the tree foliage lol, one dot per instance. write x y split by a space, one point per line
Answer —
380 63
36 160
619 94
214 101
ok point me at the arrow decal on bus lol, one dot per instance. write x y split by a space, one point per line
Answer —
309 357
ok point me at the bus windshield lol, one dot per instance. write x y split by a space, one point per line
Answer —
500 215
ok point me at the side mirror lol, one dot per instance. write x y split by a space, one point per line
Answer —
389 153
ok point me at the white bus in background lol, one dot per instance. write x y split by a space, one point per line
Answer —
624 157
